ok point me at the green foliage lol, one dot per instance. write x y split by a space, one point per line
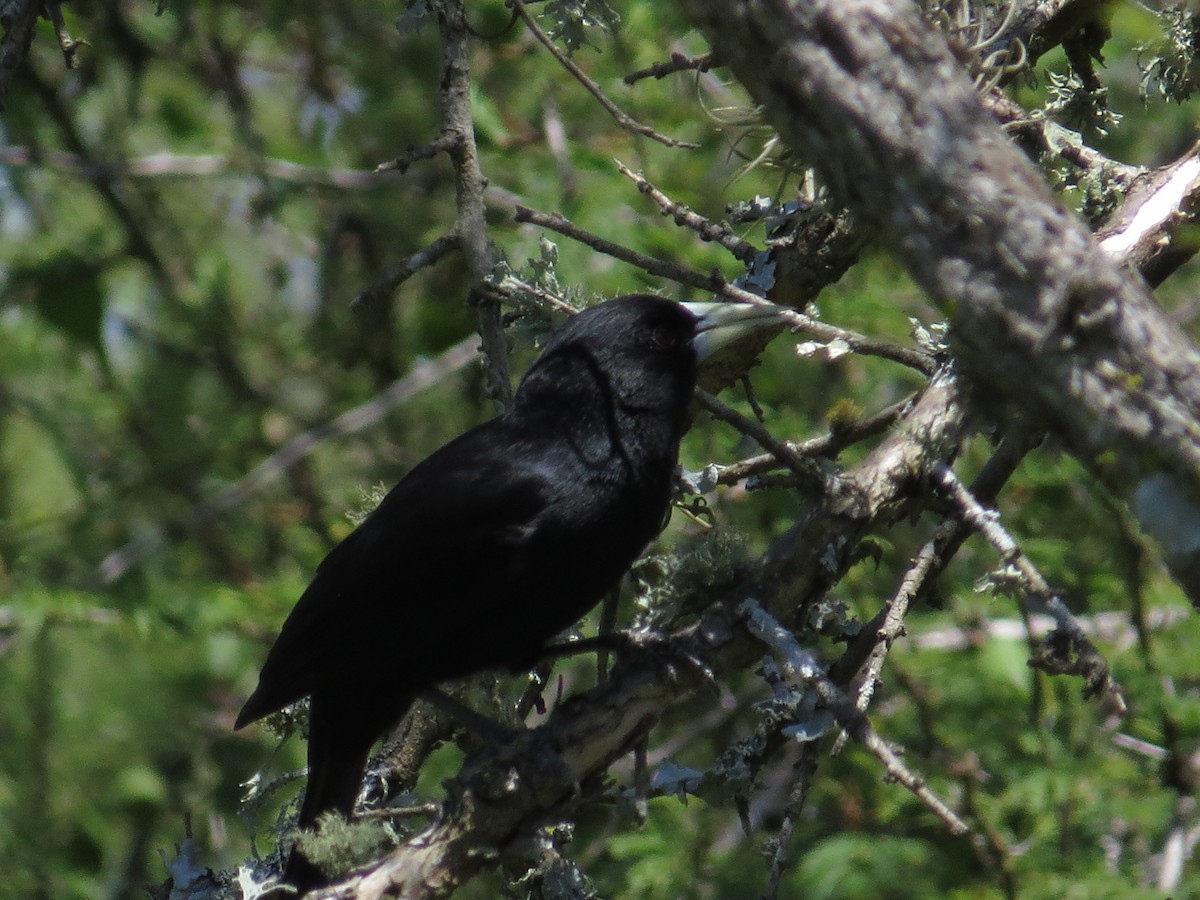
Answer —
165 332
845 867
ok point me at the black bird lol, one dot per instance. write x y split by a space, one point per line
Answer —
499 540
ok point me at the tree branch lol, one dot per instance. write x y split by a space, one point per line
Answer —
1159 205
380 289
1044 323
682 215
622 118
469 186
505 790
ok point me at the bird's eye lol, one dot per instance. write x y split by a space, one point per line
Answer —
663 338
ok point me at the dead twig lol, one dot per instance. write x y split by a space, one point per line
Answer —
682 215
621 118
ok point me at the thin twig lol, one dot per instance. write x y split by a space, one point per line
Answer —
682 215
859 343
827 445
511 284
986 487
555 222
773 445
1091 665
891 625
174 165
419 260
66 43
622 119
888 625
679 63
443 143
752 399
400 812
798 663
716 284
806 767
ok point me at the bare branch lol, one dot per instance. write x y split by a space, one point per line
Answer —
1080 656
401 812
785 455
679 63
805 560
681 215
801 664
563 226
380 289
827 445
1160 205
173 165
443 143
1044 24
622 119
852 340
891 625
1053 137
69 46
510 284
805 769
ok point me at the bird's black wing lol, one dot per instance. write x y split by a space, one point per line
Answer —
391 595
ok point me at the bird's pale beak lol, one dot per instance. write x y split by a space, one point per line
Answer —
721 324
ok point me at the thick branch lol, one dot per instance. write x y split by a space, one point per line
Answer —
1044 323
1160 204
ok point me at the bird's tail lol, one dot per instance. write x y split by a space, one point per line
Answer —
340 737
337 754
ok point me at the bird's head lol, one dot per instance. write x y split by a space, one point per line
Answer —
643 349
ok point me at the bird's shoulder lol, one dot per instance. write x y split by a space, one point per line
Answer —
486 485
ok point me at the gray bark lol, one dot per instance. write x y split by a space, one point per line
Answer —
1045 325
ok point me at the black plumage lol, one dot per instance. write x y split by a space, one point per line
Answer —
499 540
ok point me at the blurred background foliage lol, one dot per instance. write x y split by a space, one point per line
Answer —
164 330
